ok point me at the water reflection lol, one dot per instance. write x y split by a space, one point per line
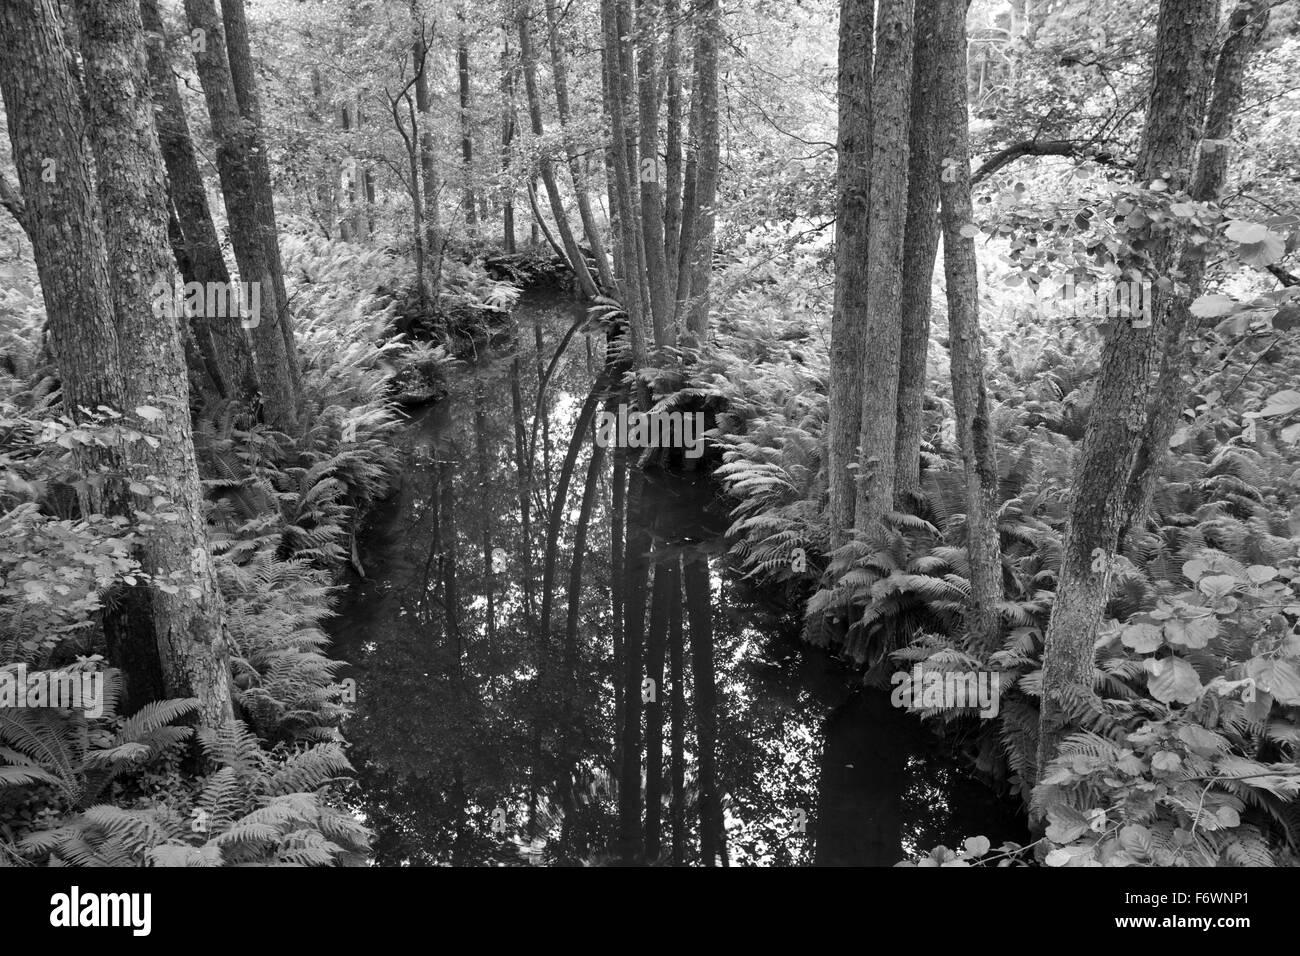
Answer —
553 666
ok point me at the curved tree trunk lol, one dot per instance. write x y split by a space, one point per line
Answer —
1129 364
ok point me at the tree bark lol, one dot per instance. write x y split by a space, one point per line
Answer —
1129 363
656 641
970 397
677 735
920 245
545 167
222 342
236 145
244 82
188 610
886 211
559 74
466 131
849 310
708 37
1245 28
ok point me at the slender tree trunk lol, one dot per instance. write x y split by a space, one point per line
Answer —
970 397
849 312
559 73
1245 28
673 158
1129 364
240 55
507 139
221 341
577 261
433 239
650 170
887 207
236 144
631 277
708 38
920 244
188 610
468 204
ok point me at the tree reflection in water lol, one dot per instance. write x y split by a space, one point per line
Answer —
537 609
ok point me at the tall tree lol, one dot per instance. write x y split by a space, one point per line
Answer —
699 614
223 343
966 354
920 245
886 211
706 146
237 144
466 126
1130 363
244 83
848 315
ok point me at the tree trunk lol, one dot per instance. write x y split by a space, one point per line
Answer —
970 397
236 145
244 82
559 73
577 262
650 170
222 342
886 211
468 204
433 239
849 311
188 610
1245 28
708 37
1129 363
673 158
920 244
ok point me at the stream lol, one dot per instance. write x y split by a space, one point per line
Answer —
481 737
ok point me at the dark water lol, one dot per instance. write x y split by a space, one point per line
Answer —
482 737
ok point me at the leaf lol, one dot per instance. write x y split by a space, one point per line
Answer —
149 413
1193 632
1143 638
1166 761
1199 740
1228 817
1066 823
1172 679
1282 403
1244 231
1212 306
1057 858
1136 839
1260 573
1217 586
1284 682
1291 433
977 846
969 231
